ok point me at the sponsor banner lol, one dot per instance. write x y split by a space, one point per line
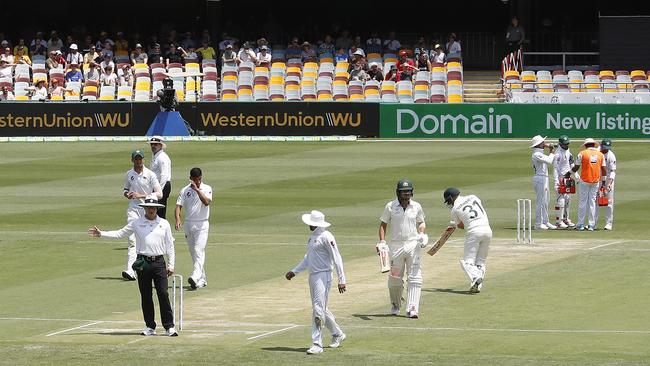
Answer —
514 120
69 119
287 119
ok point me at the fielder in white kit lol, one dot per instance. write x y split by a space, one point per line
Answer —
467 213
562 163
196 198
404 219
608 182
139 183
322 255
540 181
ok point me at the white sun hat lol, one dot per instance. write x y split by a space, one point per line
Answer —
537 140
315 218
151 201
157 140
590 141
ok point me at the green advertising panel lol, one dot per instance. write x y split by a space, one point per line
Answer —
514 120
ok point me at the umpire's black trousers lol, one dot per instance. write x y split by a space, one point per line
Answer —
155 271
162 211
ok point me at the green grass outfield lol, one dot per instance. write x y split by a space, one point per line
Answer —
572 298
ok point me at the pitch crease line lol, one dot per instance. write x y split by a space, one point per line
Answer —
273 332
75 328
608 244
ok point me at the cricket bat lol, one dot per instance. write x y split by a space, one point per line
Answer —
442 240
384 259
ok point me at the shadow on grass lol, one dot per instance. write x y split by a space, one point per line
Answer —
284 349
123 334
370 316
448 290
111 278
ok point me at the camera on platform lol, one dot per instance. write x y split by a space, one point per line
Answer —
167 96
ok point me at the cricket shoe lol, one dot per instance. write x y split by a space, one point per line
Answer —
394 310
561 225
127 276
541 227
580 227
192 283
608 227
148 332
314 349
171 332
337 339
476 286
569 223
550 226
412 314
591 228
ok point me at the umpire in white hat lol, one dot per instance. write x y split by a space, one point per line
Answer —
153 237
161 165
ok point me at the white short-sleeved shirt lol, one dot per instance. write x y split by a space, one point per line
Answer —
195 210
610 163
469 210
541 162
145 182
402 223
161 165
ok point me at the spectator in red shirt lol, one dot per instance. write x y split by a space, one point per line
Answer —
393 74
405 66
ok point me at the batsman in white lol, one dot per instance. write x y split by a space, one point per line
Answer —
404 218
322 255
161 165
138 184
608 182
467 213
196 198
540 180
562 163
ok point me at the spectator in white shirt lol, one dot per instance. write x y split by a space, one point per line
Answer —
264 57
126 79
6 94
74 55
246 54
453 47
391 44
107 62
108 77
55 43
7 55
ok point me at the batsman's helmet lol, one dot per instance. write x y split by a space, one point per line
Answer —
606 144
564 140
404 185
449 194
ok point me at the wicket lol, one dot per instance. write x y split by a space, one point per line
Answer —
524 221
177 280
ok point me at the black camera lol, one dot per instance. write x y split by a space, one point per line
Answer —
167 96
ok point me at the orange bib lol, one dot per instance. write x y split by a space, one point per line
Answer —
592 161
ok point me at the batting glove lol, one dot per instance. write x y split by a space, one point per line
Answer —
423 240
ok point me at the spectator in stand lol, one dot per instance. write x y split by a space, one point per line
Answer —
88 45
138 56
308 54
74 55
172 39
515 36
69 41
7 94
391 45
375 73
6 69
91 56
92 72
188 42
21 43
52 62
359 57
54 43
206 52
5 44
422 62
107 50
405 66
101 42
173 56
106 63
341 55
155 57
121 44
21 56
7 55
189 55
420 47
357 73
38 46
74 74
262 42
392 74
40 90
246 54
205 37
353 51
438 56
108 77
152 42
373 44
327 46
453 47
56 90
264 57
344 40
229 57
127 76
293 50
226 40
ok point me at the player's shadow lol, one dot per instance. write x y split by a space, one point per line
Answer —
110 279
285 349
371 316
121 248
448 291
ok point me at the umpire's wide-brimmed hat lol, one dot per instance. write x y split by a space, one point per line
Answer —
157 140
537 140
315 218
151 201
590 141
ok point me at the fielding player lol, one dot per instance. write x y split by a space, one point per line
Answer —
591 163
404 219
161 164
540 180
153 239
562 163
322 255
608 182
196 198
138 184
467 212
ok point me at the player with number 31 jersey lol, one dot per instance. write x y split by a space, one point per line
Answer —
467 213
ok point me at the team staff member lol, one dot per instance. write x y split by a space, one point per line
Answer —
562 163
540 181
153 239
467 212
591 163
608 182
138 184
196 198
404 219
161 164
322 255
